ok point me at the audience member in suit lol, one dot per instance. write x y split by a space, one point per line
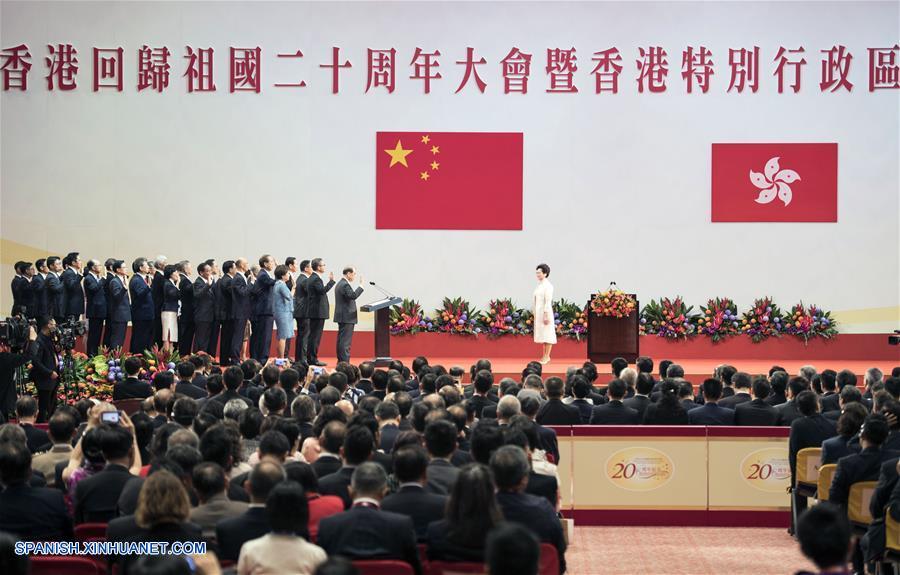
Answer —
96 497
209 482
31 513
711 413
62 430
300 312
742 382
45 368
778 380
788 411
40 303
482 384
186 312
143 314
26 412
757 411
232 533
158 295
440 440
510 467
641 399
472 512
530 405
411 498
388 415
320 506
365 531
581 389
345 311
614 412
224 314
203 294
118 307
830 398
521 433
261 335
95 308
356 449
71 280
848 425
809 430
56 292
825 538
669 410
185 386
554 411
686 395
331 439
240 308
885 499
512 548
316 308
131 387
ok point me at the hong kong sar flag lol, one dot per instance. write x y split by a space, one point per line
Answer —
774 182
448 181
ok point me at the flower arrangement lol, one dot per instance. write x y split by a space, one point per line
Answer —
613 303
719 319
570 319
408 318
161 359
668 318
502 318
456 316
763 320
807 323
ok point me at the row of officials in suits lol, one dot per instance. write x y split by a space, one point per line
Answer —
214 309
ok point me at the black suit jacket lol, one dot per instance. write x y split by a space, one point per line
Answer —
118 306
776 399
97 496
543 486
189 389
862 466
39 302
808 432
539 516
22 295
34 513
44 361
549 442
324 466
585 409
421 506
131 388
224 305
232 533
158 290
338 483
56 295
481 402
555 412
830 402
614 413
440 548
71 280
171 296
262 289
142 303
95 290
37 439
755 412
835 448
369 533
316 297
787 413
240 297
345 302
884 490
300 303
186 293
733 401
711 414
204 300
639 403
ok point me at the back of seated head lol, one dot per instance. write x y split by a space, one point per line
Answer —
851 394
249 422
338 380
512 549
409 437
289 378
529 403
807 403
796 385
674 370
10 432
741 380
644 364
450 394
845 377
879 400
275 444
410 463
290 428
428 383
370 402
163 380
380 379
249 368
486 437
779 381
365 419
233 378
644 384
555 387
396 383
851 419
185 370
459 416
366 369
329 396
616 389
508 407
875 429
15 462
304 474
387 410
725 373
711 389
183 437
440 438
327 414
761 387
685 389
434 400
443 381
828 379
132 366
483 365
217 445
26 406
332 437
274 399
368 480
483 381
264 476
61 427
358 445
303 408
270 375
528 428
418 413
186 456
892 386
214 384
233 408
184 410
581 387
617 365
510 466
287 509
208 479
824 534
115 441
533 381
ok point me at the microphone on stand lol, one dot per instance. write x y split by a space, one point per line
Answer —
379 288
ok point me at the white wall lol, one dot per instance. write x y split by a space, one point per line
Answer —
616 186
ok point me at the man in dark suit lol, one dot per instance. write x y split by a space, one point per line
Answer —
23 297
71 280
365 531
615 412
641 399
225 313
96 309
331 439
261 330
741 382
440 440
757 411
30 513
232 378
45 368
186 319
131 387
510 467
711 413
830 398
107 275
554 411
357 449
204 299
317 308
787 411
345 311
158 295
56 291
118 307
26 412
300 312
232 533
185 371
778 380
142 306
96 497
39 303
809 430
482 384
411 499
240 308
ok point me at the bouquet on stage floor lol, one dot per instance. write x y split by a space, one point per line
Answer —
408 318
456 316
807 323
719 319
667 318
503 318
570 319
613 303
763 320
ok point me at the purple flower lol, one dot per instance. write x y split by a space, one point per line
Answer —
765 318
171 365
429 325
643 320
768 310
777 319
464 317
461 322
111 363
110 377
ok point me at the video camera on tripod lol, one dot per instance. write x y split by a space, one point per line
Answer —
67 331
14 332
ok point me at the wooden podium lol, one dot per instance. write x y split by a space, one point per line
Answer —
382 309
612 337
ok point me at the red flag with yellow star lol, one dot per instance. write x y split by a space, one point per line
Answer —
448 181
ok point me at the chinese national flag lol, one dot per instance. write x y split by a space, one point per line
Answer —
448 181
774 182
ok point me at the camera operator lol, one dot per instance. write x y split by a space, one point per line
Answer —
10 361
45 368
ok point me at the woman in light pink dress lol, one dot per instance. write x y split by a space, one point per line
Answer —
542 308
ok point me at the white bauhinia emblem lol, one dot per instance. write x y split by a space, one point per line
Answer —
774 181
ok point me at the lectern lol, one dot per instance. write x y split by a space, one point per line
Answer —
612 337
382 309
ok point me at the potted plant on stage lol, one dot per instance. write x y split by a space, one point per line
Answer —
719 319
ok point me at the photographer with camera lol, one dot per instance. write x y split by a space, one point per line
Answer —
13 355
45 368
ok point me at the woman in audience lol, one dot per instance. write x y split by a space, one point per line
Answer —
163 509
471 513
320 506
285 549
669 410
848 425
